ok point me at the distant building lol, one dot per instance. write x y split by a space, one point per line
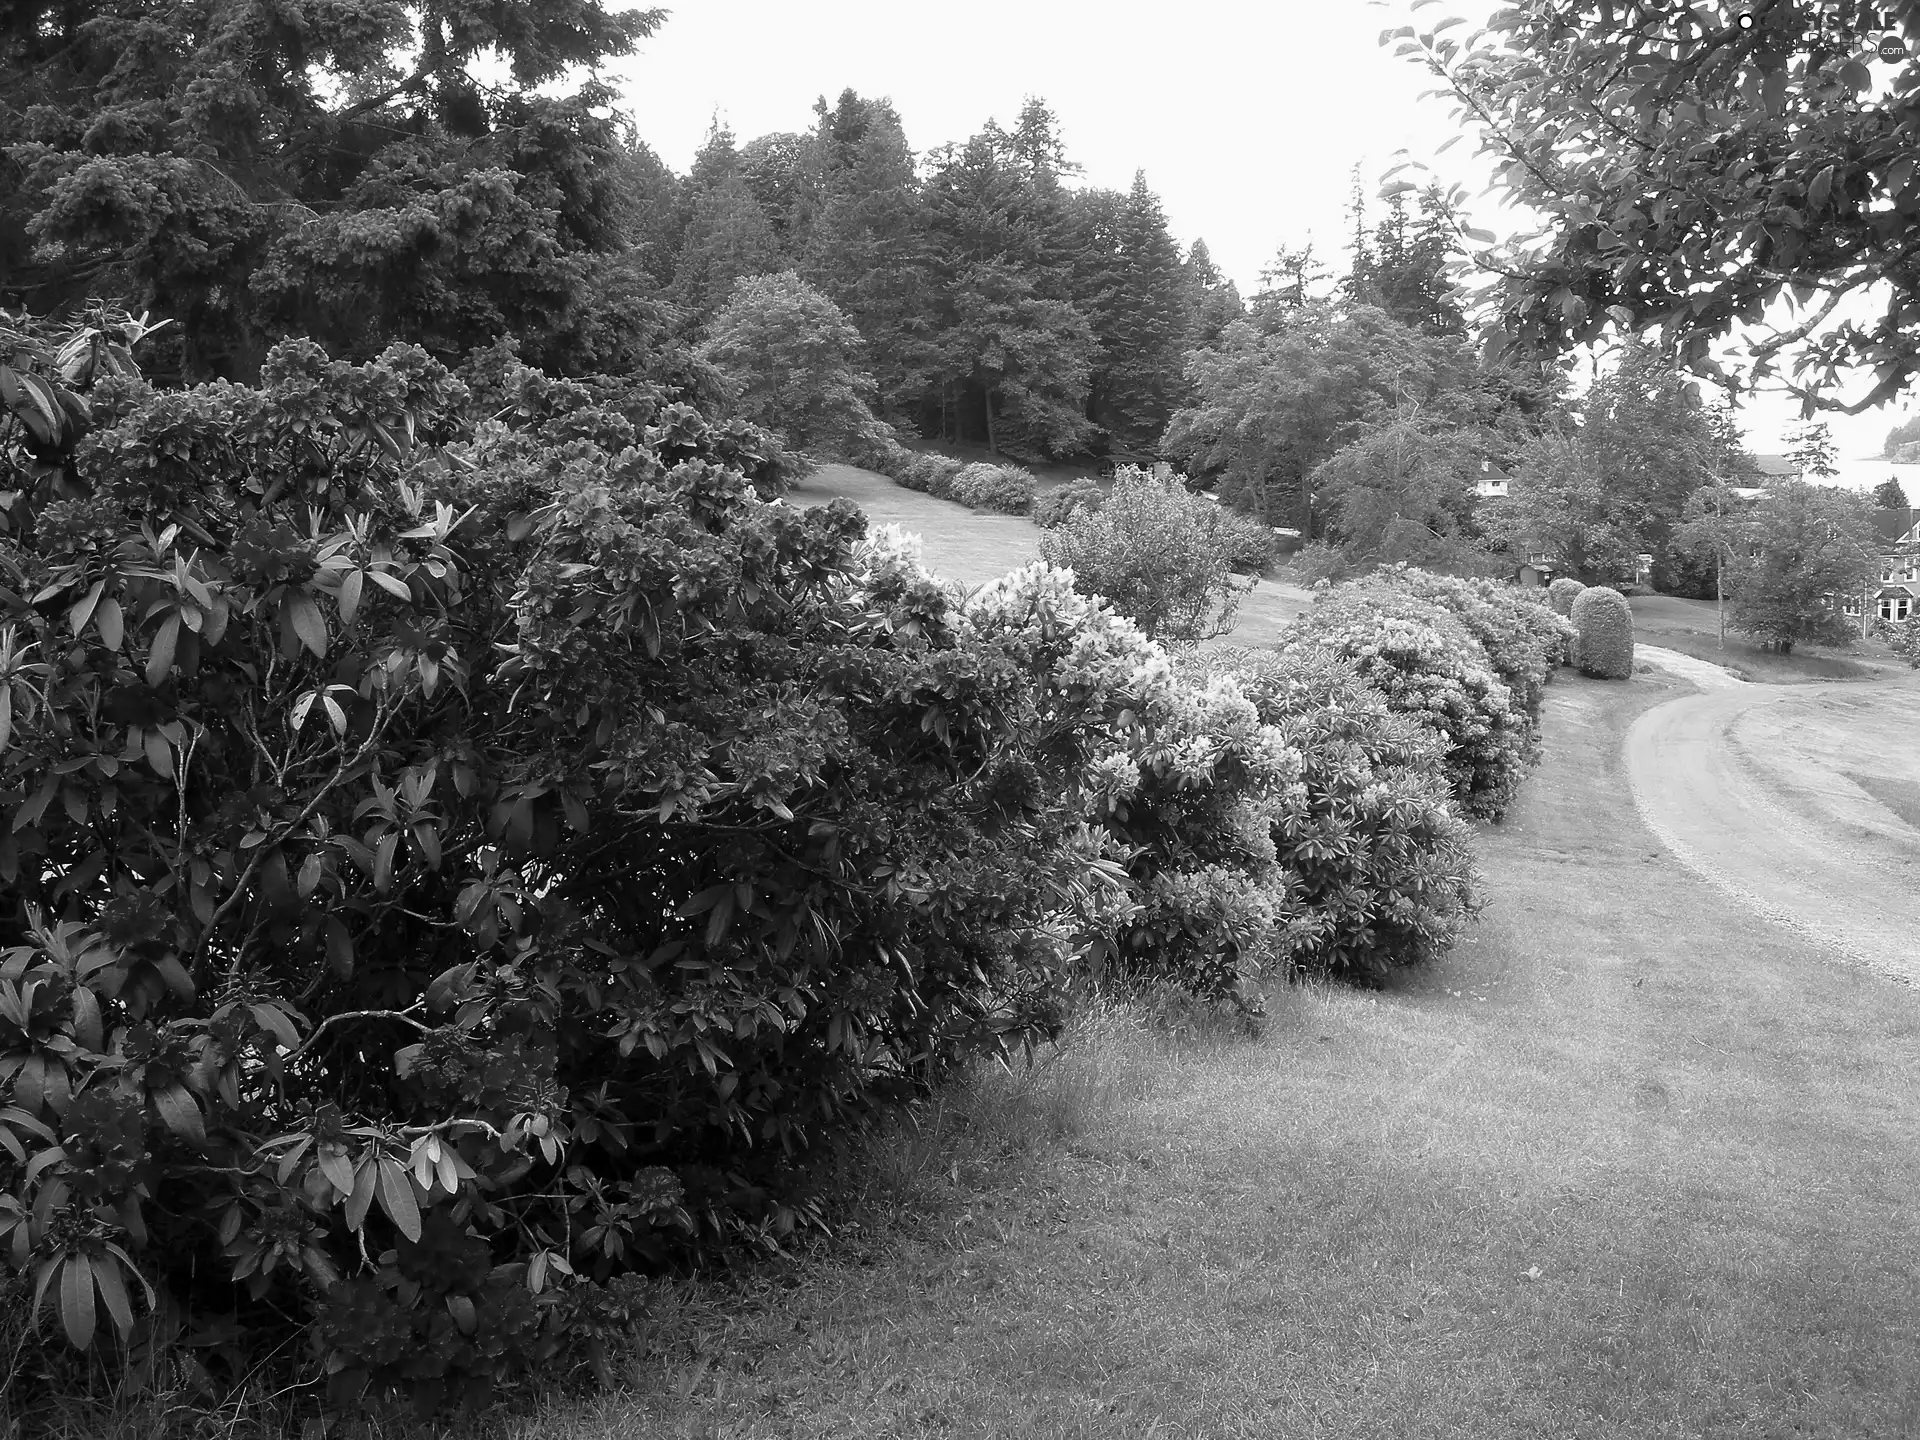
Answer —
1898 594
1492 483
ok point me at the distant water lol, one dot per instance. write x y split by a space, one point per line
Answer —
1865 474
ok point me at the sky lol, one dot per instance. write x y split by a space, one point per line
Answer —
1248 118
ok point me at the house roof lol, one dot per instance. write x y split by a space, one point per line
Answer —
1891 526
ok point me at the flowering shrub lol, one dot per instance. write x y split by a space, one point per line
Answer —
1183 780
1429 668
1523 638
1604 624
463 840
1151 552
1383 876
1052 507
1004 489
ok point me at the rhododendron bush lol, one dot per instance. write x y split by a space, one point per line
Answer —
467 840
1382 873
462 841
1430 668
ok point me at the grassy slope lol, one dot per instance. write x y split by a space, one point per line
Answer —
973 548
1630 1164
1693 628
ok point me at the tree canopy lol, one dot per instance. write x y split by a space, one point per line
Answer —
1696 176
342 170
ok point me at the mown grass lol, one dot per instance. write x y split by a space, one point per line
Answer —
1693 628
1631 1163
973 548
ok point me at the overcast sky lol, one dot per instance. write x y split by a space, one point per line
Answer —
1247 118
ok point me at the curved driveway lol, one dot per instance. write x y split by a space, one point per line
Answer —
1799 800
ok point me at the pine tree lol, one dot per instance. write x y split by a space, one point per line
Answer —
252 171
869 250
727 235
1213 301
1146 325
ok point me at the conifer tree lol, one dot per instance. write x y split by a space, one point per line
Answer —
1213 301
1146 324
728 235
869 248
329 168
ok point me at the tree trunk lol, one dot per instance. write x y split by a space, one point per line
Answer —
993 443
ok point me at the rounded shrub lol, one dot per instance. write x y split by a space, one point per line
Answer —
1150 550
1561 593
1182 781
1052 507
1603 624
1003 489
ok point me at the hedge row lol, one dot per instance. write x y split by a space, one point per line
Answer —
465 842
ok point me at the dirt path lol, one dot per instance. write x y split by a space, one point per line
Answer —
1790 799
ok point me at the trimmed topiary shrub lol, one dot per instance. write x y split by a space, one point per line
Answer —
1052 507
1003 489
1431 669
1603 621
1383 873
1561 593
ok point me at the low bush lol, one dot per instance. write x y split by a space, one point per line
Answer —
1603 622
1150 550
1561 593
1250 547
1003 489
1382 871
1430 668
1052 507
1321 561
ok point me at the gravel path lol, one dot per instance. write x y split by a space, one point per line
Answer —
1780 824
1705 674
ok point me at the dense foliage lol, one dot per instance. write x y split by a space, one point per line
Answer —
1383 876
1150 552
483 847
1430 668
1791 558
1523 639
1003 489
1603 625
1052 507
1692 172
792 363
357 172
1561 592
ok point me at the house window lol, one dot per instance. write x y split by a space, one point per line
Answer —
1895 607
1886 574
1850 607
1910 569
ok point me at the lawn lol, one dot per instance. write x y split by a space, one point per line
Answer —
1693 628
970 547
1631 1163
